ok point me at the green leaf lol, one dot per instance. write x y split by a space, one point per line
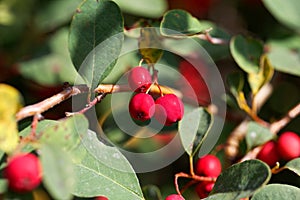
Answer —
52 61
55 13
58 175
95 40
285 12
179 22
246 52
257 135
103 170
151 9
66 133
193 129
284 59
235 81
257 80
241 180
3 185
150 45
294 165
277 192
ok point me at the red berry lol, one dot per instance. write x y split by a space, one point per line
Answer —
192 83
101 198
288 145
139 79
141 107
208 165
204 188
169 109
269 153
174 197
23 172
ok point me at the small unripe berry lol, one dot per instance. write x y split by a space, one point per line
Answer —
139 79
23 172
209 166
169 109
288 145
269 153
174 197
204 188
141 106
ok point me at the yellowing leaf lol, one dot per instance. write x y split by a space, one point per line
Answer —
150 45
257 80
10 103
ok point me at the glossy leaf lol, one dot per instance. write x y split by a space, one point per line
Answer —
246 52
257 135
152 9
193 129
150 45
285 12
53 61
58 176
277 192
95 40
103 170
294 165
10 103
235 81
257 80
284 59
55 13
241 180
179 22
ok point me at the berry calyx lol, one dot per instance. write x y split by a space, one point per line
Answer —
204 188
269 153
288 145
174 197
209 166
139 79
169 109
23 172
141 107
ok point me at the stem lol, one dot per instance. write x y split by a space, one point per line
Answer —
278 125
191 165
89 106
110 88
206 36
48 103
194 177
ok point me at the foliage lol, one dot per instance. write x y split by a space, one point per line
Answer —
89 145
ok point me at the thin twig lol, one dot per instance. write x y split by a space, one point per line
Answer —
48 103
194 177
110 88
88 106
278 125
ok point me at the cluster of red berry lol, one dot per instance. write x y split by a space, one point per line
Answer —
287 147
166 109
208 166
